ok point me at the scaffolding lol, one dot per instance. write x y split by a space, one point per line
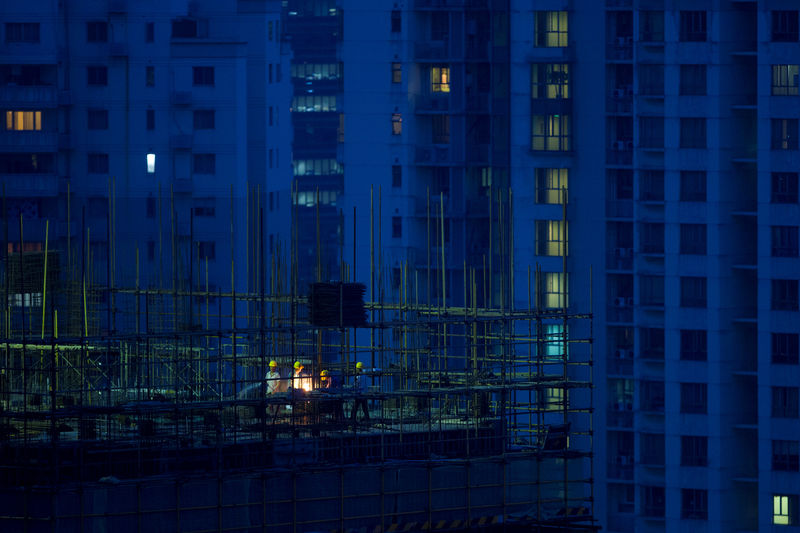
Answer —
149 408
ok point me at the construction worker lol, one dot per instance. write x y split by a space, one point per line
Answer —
334 406
299 380
274 385
360 386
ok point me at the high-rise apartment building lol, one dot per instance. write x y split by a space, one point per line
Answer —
146 126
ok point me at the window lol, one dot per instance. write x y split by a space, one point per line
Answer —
652 395
397 25
784 80
653 498
440 79
97 163
784 402
784 510
693 26
97 119
203 119
318 71
203 76
694 451
694 345
206 207
784 134
150 207
651 132
652 237
549 185
553 290
22 32
207 250
784 241
785 348
693 80
651 188
24 120
97 32
694 398
693 186
397 72
693 239
149 76
149 32
550 80
651 26
784 188
550 29
97 76
440 129
786 455
551 133
316 167
693 291
693 133
550 237
185 28
694 504
314 103
651 80
784 26
205 163
651 290
440 26
397 124
651 446
651 343
397 227
784 295
397 176
151 163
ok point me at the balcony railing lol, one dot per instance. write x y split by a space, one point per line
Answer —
30 185
41 140
15 95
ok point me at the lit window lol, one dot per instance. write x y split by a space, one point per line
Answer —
784 80
151 163
397 73
552 399
397 124
784 510
554 342
553 293
550 237
551 133
440 79
550 29
24 120
550 80
549 185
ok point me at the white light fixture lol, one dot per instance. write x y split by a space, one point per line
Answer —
151 163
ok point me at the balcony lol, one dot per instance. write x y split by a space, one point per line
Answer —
433 102
14 96
478 154
431 50
619 259
41 141
621 468
619 208
30 185
620 416
620 153
181 98
477 103
620 49
621 366
431 155
180 142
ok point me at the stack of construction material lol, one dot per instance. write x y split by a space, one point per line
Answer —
337 304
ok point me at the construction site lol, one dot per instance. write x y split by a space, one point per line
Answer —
131 407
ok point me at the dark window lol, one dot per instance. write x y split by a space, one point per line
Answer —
97 76
397 124
786 455
149 32
440 25
397 176
22 32
693 186
397 227
651 343
651 80
652 395
693 133
271 118
397 277
151 250
693 291
96 32
784 188
151 207
440 130
693 26
203 75
653 501
651 132
693 80
651 290
694 344
785 402
397 21
97 119
785 348
97 163
651 446
784 295
651 26
784 26
205 163
651 187
694 398
694 451
651 235
151 119
784 241
784 134
149 76
785 80
204 207
189 28
203 119
693 239
397 72
207 250
694 504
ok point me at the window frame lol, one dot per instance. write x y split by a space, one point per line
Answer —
694 292
551 29
785 348
550 81
203 76
693 26
556 133
785 80
694 398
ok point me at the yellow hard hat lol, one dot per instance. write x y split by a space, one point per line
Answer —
359 365
298 365
324 373
273 363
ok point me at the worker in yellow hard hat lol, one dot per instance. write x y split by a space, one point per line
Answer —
274 385
360 386
300 381
334 405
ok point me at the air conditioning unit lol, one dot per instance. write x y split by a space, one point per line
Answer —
623 353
